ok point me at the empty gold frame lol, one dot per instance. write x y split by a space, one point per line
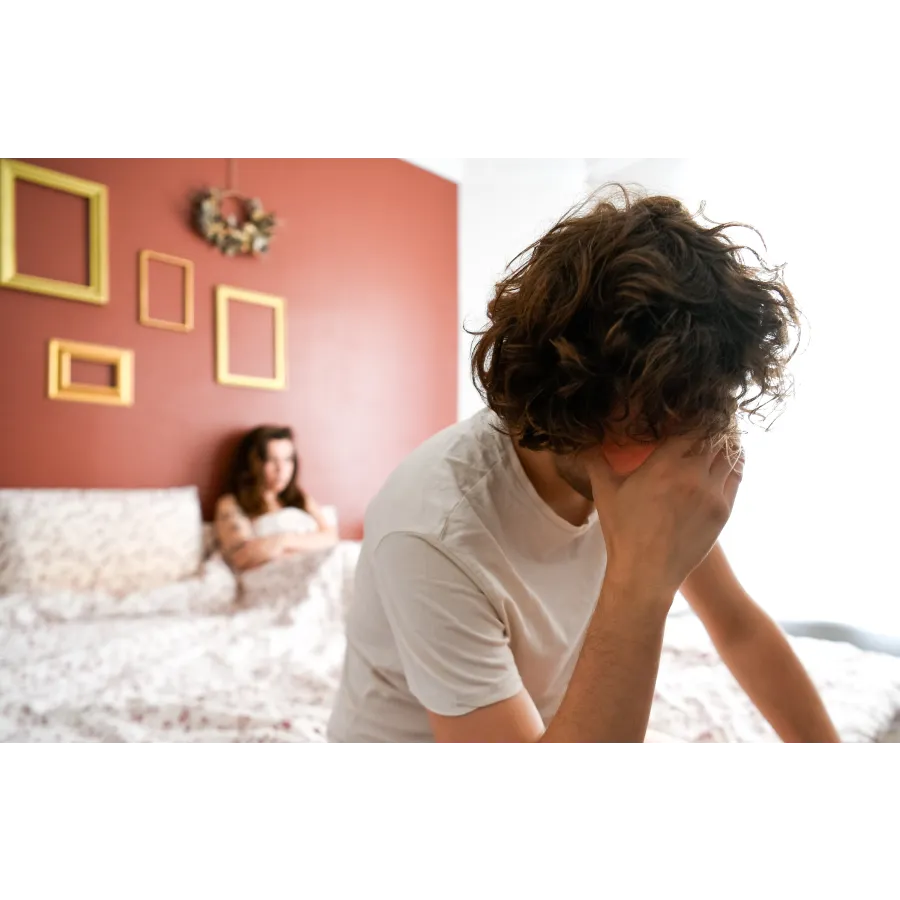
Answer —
97 290
226 294
59 373
148 256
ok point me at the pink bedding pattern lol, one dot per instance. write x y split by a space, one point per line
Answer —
120 540
81 669
76 669
698 700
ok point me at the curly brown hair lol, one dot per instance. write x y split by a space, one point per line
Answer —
630 310
246 480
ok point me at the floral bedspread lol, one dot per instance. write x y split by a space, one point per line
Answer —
83 668
698 700
246 674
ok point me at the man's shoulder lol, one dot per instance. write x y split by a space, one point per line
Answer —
432 484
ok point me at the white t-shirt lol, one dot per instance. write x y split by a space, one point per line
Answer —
468 588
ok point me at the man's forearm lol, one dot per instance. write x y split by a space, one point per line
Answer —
610 693
766 667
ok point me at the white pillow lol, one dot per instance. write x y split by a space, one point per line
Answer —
330 514
112 540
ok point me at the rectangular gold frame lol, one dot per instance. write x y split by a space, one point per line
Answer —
97 291
60 354
224 294
144 317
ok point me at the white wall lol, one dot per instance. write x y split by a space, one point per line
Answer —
504 205
814 534
664 176
451 169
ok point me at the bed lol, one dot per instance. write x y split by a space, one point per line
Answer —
257 673
119 621
202 658
698 700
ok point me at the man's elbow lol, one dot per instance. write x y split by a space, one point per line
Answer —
755 629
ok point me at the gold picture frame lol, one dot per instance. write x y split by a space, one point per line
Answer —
224 295
60 354
144 317
97 290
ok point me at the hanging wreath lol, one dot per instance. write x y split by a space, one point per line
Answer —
251 236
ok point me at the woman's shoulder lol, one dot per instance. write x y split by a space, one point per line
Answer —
226 503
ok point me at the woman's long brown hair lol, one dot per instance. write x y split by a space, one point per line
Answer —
246 479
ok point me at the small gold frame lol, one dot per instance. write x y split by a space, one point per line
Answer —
224 294
97 291
144 317
59 373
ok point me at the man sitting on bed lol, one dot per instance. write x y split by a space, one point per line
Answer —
518 567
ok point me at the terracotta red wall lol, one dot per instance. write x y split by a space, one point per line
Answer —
366 258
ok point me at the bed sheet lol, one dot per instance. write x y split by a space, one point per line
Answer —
697 699
269 673
266 673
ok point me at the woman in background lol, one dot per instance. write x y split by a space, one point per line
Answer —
265 514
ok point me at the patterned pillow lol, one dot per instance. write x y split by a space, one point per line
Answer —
113 540
330 514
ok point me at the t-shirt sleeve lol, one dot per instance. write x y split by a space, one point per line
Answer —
452 644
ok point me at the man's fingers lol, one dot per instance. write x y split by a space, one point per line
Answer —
679 447
603 479
726 460
733 479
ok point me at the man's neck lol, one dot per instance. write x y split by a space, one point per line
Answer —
551 487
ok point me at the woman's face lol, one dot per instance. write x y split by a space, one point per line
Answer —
279 466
